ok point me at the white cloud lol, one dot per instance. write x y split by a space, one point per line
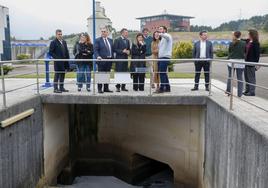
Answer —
36 18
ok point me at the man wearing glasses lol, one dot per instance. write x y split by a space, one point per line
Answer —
103 49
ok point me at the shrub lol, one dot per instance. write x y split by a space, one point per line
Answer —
181 50
23 56
221 53
264 48
7 68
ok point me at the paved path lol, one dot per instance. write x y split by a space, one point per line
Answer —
180 87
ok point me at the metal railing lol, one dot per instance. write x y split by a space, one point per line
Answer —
36 62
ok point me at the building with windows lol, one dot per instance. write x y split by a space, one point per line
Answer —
5 45
171 21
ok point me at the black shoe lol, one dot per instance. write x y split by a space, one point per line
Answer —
108 91
207 89
159 91
100 91
64 90
249 94
79 89
88 89
124 89
245 92
57 91
194 89
227 93
117 90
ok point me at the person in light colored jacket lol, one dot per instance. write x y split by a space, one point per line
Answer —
165 54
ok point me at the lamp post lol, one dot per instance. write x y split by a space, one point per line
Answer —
94 30
94 20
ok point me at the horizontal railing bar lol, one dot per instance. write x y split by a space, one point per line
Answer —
141 60
241 98
19 88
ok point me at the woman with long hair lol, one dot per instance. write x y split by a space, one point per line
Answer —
85 51
155 50
138 68
236 52
252 55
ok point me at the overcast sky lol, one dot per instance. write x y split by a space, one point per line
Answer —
31 19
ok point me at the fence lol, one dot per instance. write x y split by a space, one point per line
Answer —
149 73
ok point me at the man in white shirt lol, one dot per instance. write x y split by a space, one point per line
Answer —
165 54
203 49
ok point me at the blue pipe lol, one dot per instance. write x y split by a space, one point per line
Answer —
94 30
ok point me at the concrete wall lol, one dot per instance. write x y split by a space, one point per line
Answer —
21 147
236 155
56 142
169 134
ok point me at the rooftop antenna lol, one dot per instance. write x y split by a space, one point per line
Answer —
240 14
165 12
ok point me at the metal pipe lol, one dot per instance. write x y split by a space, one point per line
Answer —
94 79
3 86
37 77
232 87
16 118
210 75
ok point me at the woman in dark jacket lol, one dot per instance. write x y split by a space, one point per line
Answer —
138 68
84 51
236 52
252 55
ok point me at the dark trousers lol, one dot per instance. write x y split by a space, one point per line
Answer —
250 78
138 81
104 67
162 68
198 68
239 75
59 81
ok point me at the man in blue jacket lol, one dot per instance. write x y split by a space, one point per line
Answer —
103 49
203 49
58 50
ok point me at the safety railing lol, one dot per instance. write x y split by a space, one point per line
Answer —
94 73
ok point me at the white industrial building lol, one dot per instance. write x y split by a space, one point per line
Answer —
101 21
5 46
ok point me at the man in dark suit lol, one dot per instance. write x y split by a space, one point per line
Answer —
122 51
58 50
103 49
203 49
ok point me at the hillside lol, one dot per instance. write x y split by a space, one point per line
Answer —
190 36
256 22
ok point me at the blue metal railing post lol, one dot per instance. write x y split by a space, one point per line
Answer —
94 40
47 84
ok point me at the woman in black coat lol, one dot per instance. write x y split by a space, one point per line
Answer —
84 51
252 55
138 68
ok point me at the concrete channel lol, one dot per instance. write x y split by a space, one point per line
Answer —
133 137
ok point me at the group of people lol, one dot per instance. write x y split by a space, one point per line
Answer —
145 47
244 50
157 47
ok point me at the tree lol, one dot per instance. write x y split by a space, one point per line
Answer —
265 26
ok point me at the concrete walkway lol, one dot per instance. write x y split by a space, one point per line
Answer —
179 87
